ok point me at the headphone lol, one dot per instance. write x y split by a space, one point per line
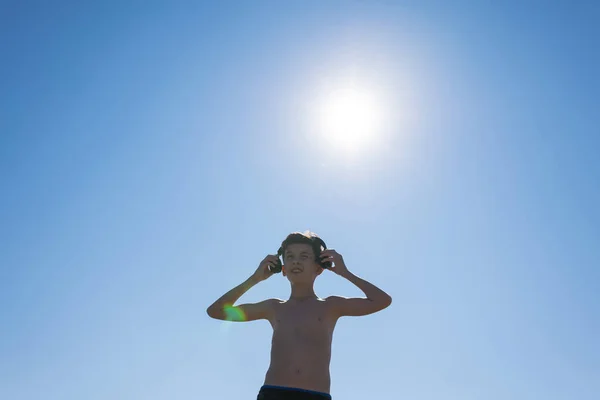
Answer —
316 240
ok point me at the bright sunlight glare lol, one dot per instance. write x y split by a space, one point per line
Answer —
350 118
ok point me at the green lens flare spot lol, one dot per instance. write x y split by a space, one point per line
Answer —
234 313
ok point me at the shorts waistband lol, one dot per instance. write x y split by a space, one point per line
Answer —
325 395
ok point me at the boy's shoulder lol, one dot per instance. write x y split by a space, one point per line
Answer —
273 303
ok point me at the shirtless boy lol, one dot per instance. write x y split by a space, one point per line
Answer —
302 325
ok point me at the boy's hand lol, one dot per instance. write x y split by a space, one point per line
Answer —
263 272
338 264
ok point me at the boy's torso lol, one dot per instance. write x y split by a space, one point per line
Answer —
301 345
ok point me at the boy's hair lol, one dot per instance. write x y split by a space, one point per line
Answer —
309 238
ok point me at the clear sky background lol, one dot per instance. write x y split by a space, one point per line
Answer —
152 153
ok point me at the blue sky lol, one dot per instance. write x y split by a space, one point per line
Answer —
151 154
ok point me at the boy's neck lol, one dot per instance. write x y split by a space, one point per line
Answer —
302 291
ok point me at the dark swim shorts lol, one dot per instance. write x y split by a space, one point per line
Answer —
269 392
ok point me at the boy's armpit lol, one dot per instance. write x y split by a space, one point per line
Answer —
248 312
353 307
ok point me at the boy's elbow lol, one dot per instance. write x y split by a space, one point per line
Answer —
213 312
387 301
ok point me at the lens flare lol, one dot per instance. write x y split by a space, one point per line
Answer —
233 313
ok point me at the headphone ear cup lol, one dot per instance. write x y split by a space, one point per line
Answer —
326 265
278 265
323 246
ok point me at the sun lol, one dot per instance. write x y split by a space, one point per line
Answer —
349 118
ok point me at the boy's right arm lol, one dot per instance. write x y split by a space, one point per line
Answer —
224 308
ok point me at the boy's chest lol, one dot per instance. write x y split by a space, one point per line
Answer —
303 320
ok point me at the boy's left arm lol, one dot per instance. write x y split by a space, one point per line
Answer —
376 299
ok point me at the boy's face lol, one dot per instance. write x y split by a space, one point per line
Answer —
299 263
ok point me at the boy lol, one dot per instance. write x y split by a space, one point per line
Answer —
303 325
